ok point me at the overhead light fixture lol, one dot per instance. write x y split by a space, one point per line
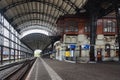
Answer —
82 10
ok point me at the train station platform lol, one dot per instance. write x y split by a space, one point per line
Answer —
47 69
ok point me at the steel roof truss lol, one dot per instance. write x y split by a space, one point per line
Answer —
26 1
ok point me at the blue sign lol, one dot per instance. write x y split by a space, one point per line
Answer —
86 46
72 46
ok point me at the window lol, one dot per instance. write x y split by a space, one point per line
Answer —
6 33
12 30
109 26
12 54
1 29
87 27
16 54
6 23
12 44
6 42
1 40
5 53
12 37
71 26
16 46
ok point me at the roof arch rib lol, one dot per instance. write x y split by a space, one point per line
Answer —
41 26
74 6
41 23
70 3
26 1
37 26
27 20
28 13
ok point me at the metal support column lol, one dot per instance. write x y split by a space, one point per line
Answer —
117 9
52 46
9 55
52 43
93 28
14 54
25 54
17 54
1 54
93 15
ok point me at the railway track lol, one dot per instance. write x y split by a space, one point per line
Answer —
21 72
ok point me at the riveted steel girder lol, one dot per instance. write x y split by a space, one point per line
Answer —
30 23
28 13
23 21
72 5
26 1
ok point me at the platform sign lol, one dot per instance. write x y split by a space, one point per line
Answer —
72 46
72 49
85 46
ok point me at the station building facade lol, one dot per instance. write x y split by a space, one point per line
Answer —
75 32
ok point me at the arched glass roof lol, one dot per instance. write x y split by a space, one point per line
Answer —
22 14
19 12
27 15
